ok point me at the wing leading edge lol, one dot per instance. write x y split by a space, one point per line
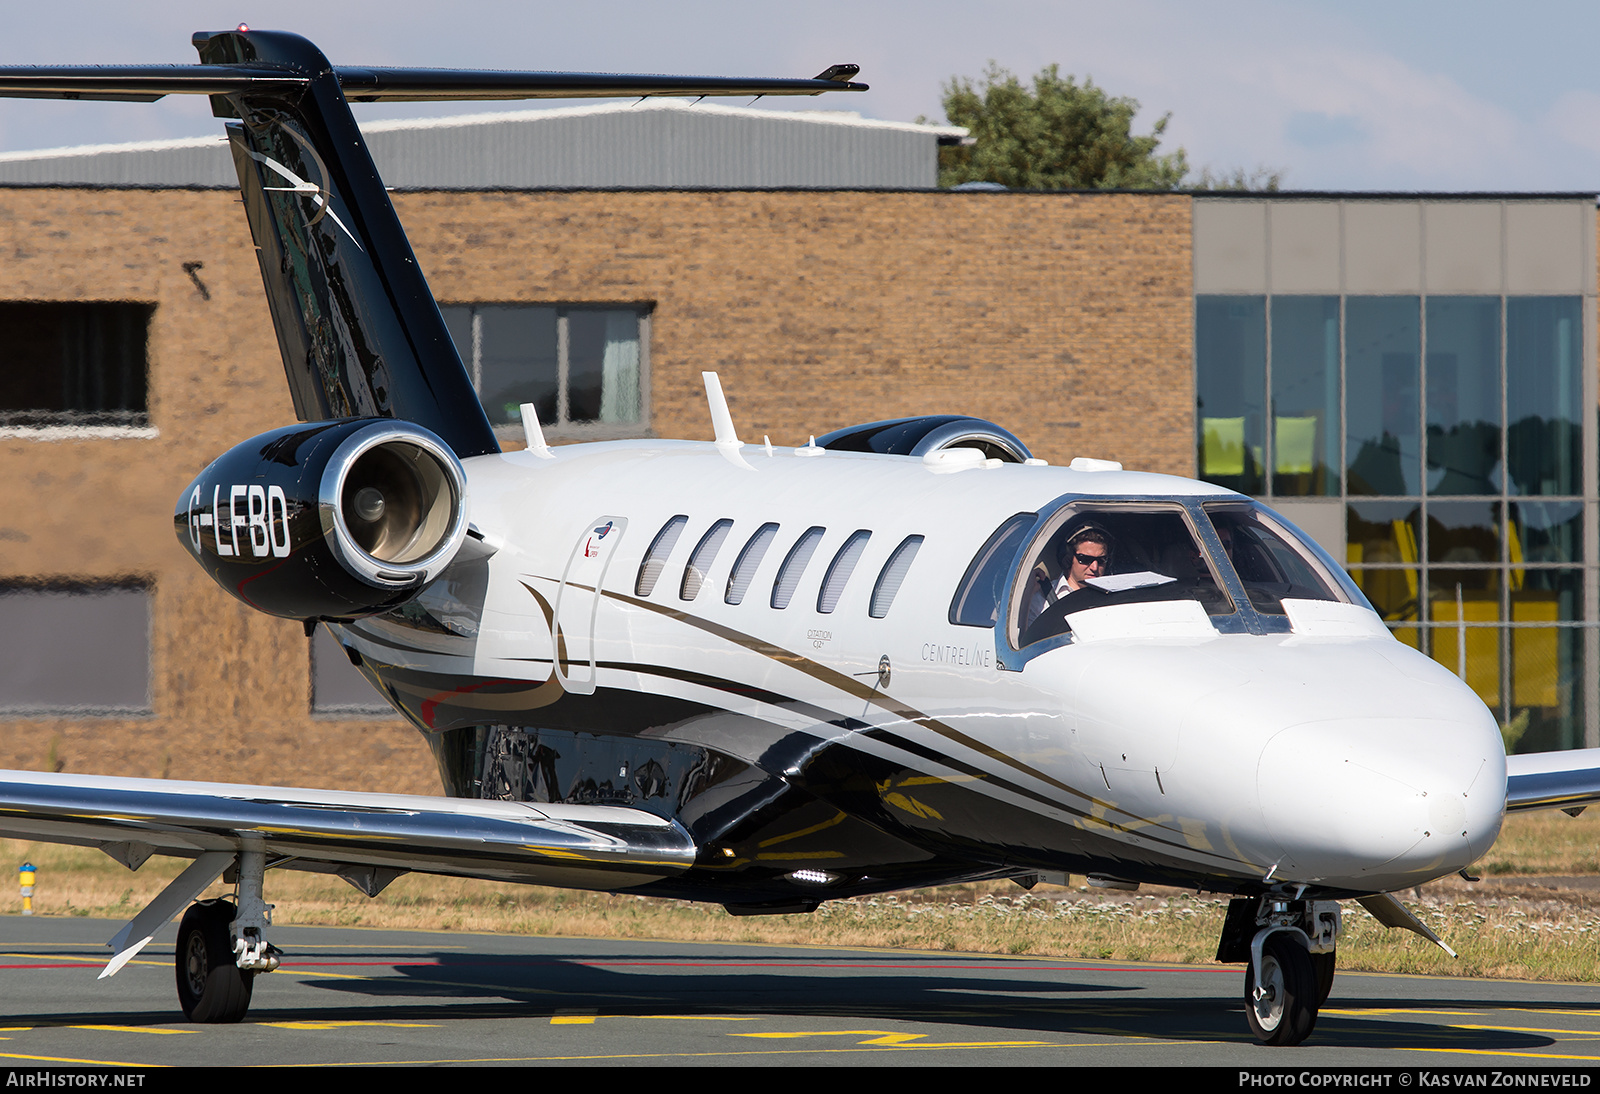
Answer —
368 839
573 846
1553 780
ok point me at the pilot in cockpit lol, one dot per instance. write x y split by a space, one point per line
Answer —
1083 554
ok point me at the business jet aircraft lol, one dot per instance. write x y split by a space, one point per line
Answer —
761 676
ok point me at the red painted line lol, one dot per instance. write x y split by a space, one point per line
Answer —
951 966
383 964
92 966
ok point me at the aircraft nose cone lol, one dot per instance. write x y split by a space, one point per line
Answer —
1382 803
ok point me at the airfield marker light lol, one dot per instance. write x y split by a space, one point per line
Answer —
25 874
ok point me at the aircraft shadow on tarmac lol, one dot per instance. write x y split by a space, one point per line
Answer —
965 990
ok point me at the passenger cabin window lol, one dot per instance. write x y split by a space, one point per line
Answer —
705 553
893 574
655 559
977 599
1272 563
749 561
839 571
793 566
1093 554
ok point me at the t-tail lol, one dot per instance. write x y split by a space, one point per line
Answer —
359 330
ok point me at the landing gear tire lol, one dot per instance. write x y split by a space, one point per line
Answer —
211 988
1322 964
1286 1009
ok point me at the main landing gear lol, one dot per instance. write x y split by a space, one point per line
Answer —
222 947
1289 947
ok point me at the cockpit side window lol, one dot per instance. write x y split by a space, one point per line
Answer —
1097 554
977 599
1272 563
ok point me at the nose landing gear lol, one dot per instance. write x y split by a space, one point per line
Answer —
1282 1005
1289 950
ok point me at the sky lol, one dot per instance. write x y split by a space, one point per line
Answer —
1355 95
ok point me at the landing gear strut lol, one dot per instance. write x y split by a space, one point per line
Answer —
222 947
1289 950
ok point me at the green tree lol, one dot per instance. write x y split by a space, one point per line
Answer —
1060 135
1262 178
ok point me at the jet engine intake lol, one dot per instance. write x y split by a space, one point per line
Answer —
929 433
328 520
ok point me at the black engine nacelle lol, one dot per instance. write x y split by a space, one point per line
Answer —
332 520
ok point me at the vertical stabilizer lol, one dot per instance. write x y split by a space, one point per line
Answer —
359 330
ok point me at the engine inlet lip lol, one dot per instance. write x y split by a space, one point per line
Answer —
330 493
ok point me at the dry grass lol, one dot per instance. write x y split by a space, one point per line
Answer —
1502 927
1546 844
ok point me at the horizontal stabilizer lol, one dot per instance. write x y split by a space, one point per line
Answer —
1552 780
575 846
147 83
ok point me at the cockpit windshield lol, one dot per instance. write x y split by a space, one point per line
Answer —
1096 554
1272 563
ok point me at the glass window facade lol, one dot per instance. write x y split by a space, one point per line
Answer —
1450 430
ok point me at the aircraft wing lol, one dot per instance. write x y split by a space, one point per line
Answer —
1553 780
369 839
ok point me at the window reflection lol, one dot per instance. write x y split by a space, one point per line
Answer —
1230 349
1383 338
1464 531
1544 389
1546 531
1463 395
1305 395
1379 532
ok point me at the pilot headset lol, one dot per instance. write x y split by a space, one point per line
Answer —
1078 535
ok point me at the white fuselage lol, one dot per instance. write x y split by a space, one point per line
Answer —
1330 754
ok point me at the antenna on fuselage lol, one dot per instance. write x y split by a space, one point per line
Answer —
721 420
534 434
725 438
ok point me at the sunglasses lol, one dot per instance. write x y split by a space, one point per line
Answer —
1089 560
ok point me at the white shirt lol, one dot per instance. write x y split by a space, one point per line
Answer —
1038 601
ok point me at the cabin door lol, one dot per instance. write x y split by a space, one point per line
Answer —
578 599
